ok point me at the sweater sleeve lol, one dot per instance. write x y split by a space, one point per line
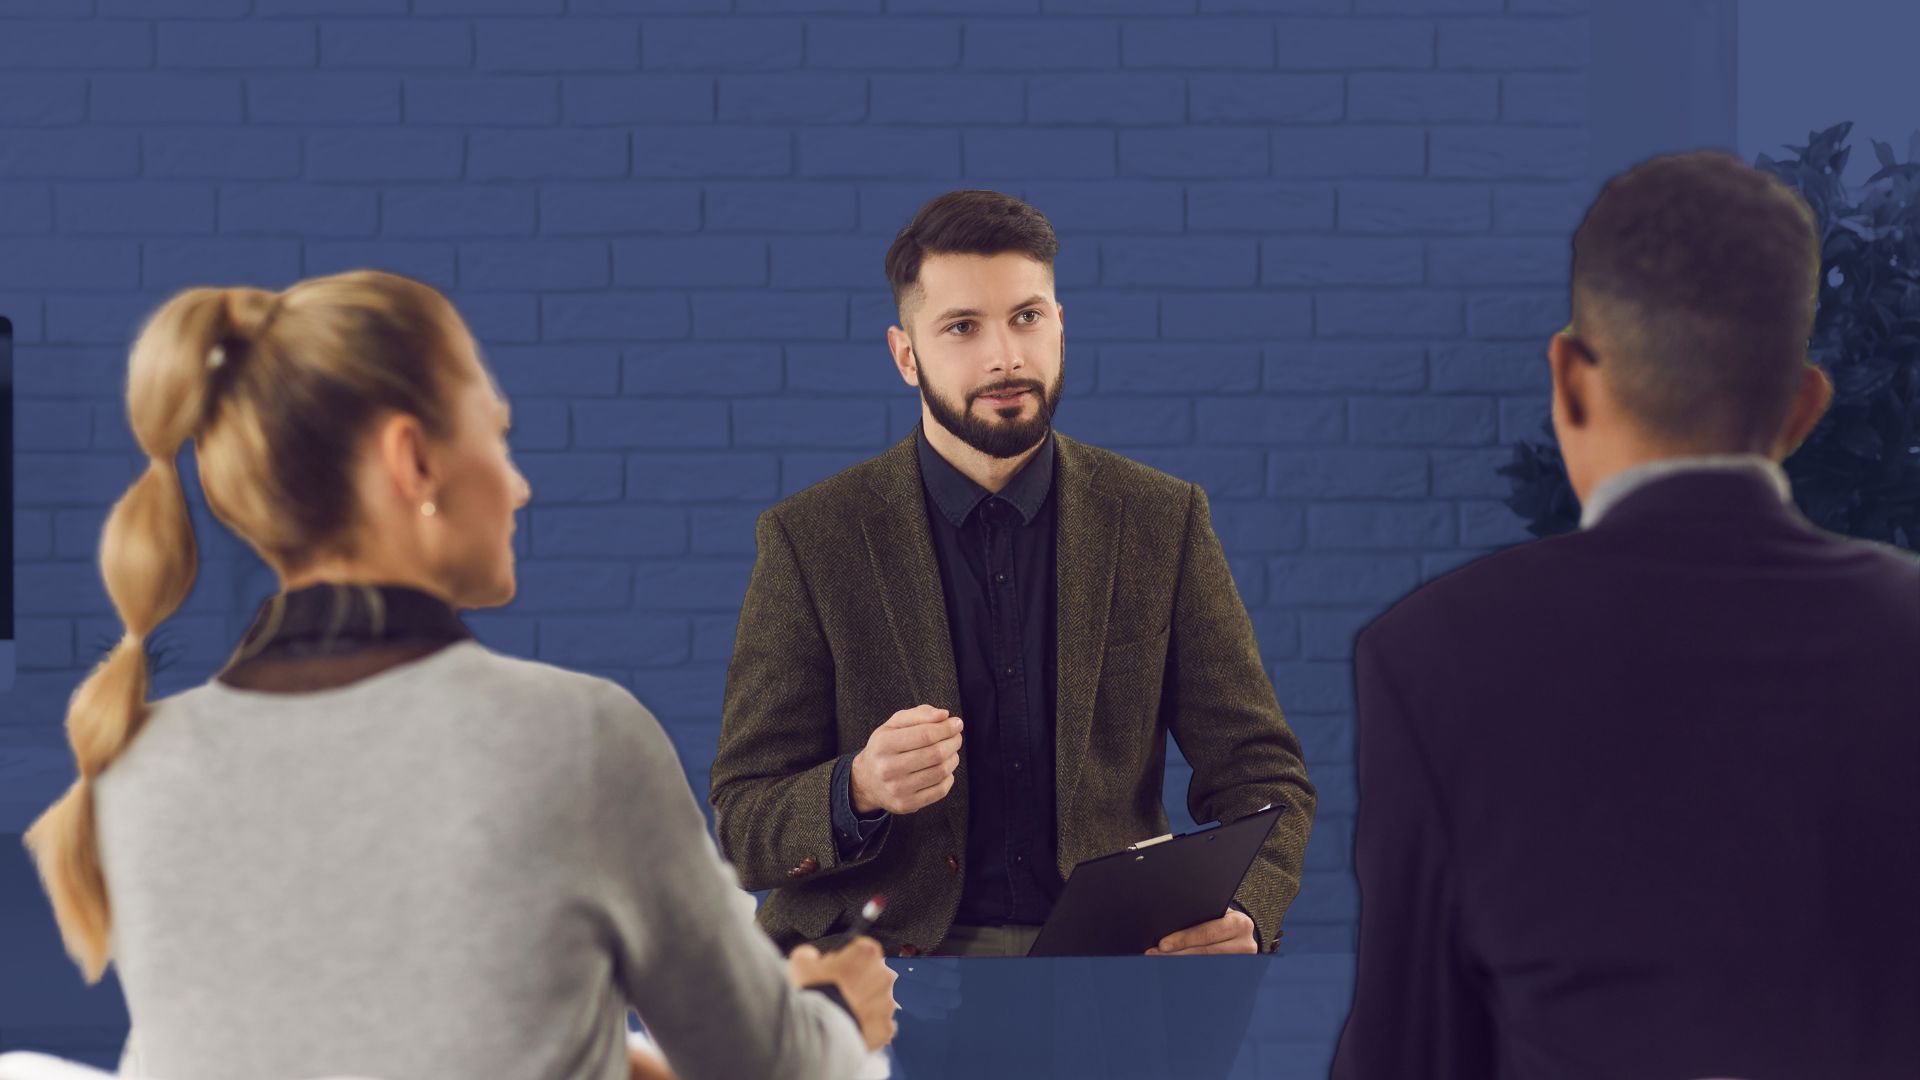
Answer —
710 985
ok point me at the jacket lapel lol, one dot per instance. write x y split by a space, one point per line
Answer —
900 563
1086 551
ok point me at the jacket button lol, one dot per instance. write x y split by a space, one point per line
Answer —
909 950
953 865
807 866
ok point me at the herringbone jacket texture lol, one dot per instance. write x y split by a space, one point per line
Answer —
845 624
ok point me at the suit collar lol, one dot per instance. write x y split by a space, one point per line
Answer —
896 473
1749 498
1621 485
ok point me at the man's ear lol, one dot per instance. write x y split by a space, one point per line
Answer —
1573 372
1810 403
900 344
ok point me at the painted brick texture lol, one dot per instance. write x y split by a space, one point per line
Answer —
1311 250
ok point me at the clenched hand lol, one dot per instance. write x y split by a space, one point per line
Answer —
908 762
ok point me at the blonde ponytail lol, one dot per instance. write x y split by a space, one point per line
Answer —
148 559
222 367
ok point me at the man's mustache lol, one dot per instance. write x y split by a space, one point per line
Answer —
1007 387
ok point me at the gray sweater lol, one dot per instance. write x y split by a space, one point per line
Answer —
465 866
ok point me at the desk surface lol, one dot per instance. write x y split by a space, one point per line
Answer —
1194 1018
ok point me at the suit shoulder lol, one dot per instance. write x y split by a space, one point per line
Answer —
1497 577
1132 479
831 498
1891 558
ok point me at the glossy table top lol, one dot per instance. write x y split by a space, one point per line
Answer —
1195 1018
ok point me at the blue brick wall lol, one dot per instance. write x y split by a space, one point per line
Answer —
1310 251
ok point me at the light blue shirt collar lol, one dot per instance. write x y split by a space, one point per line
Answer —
1623 483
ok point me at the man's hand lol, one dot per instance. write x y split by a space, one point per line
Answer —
908 762
860 970
1230 933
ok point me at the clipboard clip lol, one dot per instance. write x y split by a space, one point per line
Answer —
1169 836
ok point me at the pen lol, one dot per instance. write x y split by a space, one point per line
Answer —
865 920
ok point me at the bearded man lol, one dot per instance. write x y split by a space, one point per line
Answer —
958 662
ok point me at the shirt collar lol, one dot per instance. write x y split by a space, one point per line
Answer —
1621 484
956 494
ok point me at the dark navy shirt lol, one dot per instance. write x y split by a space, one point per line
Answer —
997 569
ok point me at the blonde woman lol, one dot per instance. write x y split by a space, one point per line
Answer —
370 845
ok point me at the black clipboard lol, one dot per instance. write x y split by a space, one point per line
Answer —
1123 904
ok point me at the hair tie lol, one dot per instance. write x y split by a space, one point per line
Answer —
267 317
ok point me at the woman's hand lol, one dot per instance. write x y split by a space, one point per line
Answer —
859 969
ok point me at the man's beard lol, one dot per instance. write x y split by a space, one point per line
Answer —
1003 438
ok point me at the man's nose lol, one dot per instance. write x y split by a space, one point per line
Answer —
1005 357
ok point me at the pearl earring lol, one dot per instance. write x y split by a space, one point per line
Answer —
427 509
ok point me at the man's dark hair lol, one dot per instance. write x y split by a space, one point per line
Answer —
968 222
1699 275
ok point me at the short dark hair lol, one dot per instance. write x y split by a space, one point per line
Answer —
968 222
1701 273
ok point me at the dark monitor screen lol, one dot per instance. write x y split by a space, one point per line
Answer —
6 502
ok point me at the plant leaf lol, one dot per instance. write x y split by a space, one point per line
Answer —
1859 471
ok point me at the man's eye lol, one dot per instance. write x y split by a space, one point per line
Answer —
1030 316
960 327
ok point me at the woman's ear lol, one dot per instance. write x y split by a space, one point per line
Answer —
405 458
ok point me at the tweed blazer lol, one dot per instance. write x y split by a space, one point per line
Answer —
845 624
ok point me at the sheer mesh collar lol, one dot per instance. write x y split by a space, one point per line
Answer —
329 635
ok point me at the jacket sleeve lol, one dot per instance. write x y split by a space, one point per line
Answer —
772 780
1221 709
1418 1004
710 985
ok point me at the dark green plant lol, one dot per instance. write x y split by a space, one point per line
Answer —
1859 472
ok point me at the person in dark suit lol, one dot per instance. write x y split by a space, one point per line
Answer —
1639 801
1066 607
